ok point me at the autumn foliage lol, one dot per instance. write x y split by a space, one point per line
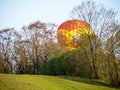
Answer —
35 49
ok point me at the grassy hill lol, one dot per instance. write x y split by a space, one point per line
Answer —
41 82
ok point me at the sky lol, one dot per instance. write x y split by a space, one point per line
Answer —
16 13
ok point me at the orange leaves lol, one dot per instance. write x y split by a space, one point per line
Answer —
4 30
36 25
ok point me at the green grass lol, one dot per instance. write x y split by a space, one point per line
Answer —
41 82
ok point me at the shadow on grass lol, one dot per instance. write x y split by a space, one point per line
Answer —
89 81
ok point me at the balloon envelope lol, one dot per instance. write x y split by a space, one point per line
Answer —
69 32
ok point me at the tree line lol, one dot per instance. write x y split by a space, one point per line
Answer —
35 50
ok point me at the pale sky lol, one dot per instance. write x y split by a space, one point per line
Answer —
16 13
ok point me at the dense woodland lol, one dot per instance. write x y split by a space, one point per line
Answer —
34 49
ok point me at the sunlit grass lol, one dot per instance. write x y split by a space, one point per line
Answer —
41 82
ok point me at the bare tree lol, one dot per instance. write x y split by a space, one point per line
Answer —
112 51
7 37
36 46
100 20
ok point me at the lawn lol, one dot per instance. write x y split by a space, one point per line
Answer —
42 82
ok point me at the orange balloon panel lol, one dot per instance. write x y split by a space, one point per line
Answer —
69 32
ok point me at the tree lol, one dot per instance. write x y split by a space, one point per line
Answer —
21 57
100 20
112 51
7 38
35 47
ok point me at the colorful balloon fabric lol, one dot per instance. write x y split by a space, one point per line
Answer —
69 32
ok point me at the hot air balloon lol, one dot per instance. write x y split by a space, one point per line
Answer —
70 32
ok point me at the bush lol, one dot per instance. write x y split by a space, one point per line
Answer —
72 63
